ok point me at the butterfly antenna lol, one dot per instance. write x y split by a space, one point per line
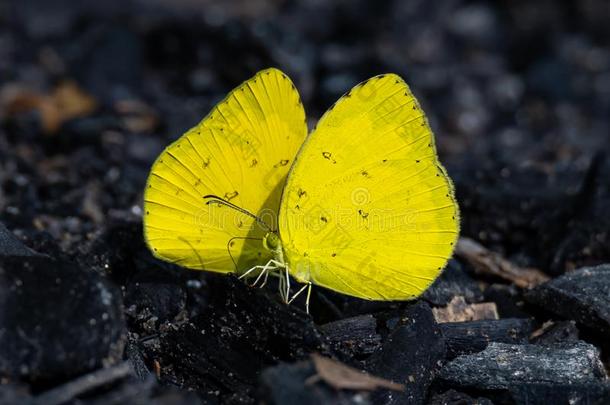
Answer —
220 201
229 247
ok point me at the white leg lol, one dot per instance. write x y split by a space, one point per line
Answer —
287 286
265 280
248 272
282 287
266 266
307 299
298 293
266 269
308 287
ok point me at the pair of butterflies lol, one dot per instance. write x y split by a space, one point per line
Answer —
361 205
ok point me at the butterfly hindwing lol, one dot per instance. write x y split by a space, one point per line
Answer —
240 152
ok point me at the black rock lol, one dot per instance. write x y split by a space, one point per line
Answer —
511 367
453 397
505 204
453 282
474 336
241 331
10 245
578 394
14 394
287 384
560 332
356 336
150 303
586 242
582 295
411 355
135 355
56 319
508 299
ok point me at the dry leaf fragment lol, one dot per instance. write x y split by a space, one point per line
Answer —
459 311
487 262
137 116
65 102
340 376
542 330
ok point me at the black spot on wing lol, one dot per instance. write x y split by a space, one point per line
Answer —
230 195
328 156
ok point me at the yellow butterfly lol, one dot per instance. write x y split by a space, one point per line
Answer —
361 205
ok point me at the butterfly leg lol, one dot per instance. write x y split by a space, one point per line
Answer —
284 286
278 265
308 287
265 269
265 279
287 296
308 297
248 272
270 265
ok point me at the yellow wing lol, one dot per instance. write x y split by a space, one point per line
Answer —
367 209
240 152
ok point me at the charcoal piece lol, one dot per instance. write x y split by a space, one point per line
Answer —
410 355
582 295
241 331
577 394
453 397
509 300
504 366
292 384
474 336
454 281
559 332
14 394
144 393
160 302
83 384
56 319
503 212
587 241
10 245
134 354
356 336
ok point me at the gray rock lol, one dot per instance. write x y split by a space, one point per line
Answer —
411 355
474 336
11 246
355 336
287 384
57 320
582 295
505 366
452 282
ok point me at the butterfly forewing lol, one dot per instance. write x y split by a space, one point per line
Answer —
368 210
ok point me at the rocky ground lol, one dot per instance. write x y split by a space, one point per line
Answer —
518 94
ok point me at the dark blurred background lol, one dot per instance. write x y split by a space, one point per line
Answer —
517 92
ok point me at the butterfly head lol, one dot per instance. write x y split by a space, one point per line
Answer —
272 242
